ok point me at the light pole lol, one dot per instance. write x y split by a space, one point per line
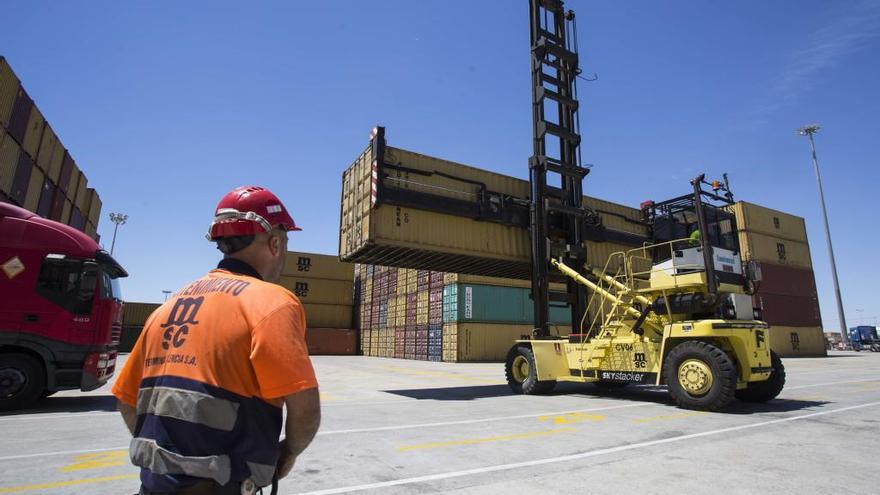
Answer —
166 292
118 219
808 131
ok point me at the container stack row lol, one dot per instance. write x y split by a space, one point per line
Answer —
787 298
435 316
36 171
324 285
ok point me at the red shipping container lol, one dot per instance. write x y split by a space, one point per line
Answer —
787 280
789 311
331 341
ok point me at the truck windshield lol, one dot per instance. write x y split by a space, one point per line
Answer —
110 286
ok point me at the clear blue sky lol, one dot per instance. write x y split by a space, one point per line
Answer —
167 105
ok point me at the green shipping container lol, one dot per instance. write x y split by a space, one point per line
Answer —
465 303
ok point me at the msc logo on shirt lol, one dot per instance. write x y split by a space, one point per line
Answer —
183 314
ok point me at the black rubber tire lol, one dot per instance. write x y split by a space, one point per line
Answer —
34 380
769 388
610 385
531 385
723 370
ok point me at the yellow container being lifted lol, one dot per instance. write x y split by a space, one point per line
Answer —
436 240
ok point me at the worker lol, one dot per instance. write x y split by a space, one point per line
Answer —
204 388
694 238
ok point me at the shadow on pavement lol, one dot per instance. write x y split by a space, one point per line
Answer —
454 393
775 405
83 403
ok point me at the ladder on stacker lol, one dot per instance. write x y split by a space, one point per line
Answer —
557 216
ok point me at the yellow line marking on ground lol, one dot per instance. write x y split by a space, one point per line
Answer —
864 387
441 374
61 484
570 418
97 460
473 441
325 397
667 417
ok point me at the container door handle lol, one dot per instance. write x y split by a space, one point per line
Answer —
31 318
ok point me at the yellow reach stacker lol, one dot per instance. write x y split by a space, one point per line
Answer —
677 312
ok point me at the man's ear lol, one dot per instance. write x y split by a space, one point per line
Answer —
275 244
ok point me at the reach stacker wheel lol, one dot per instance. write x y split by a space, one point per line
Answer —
522 374
769 388
700 376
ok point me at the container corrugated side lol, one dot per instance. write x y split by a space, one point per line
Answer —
34 133
798 341
9 152
322 291
494 304
787 280
445 186
94 206
91 230
136 313
785 310
331 341
765 248
480 342
329 315
57 161
65 212
47 198
21 114
68 166
312 265
22 178
8 90
81 200
48 146
35 188
765 220
73 186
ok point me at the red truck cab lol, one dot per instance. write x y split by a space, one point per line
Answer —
60 309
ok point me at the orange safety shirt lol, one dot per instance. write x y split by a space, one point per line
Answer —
208 375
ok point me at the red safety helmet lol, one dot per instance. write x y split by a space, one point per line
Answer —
249 210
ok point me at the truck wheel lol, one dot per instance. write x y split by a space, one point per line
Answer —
22 381
700 376
769 388
522 374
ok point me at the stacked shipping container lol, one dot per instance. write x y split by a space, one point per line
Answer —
786 297
36 171
327 288
436 316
